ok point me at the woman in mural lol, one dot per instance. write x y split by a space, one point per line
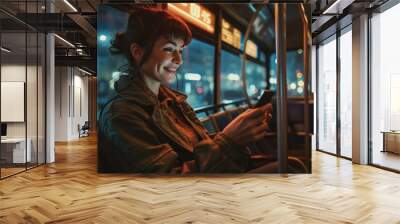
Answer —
150 128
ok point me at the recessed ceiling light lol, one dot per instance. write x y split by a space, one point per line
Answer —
65 41
70 5
5 50
84 71
337 7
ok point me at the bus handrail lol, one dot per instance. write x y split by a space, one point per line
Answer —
215 107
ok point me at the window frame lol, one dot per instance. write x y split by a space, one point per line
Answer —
335 36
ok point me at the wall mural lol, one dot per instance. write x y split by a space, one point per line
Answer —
157 62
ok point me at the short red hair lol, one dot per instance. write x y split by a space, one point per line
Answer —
145 26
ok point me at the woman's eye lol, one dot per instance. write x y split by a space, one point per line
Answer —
168 49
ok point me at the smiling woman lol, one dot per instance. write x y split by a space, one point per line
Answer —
150 128
161 67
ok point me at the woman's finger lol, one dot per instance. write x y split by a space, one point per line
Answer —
260 136
253 113
268 117
266 108
259 119
260 128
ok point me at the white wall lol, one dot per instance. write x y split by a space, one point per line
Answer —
61 103
33 127
10 73
17 72
80 95
71 102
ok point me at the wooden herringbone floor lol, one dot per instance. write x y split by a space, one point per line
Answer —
71 191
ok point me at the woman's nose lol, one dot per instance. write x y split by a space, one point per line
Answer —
177 58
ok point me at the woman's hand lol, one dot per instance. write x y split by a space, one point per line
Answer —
250 126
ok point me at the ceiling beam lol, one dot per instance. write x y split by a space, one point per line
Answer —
82 61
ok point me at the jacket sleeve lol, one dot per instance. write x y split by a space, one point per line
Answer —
133 145
220 155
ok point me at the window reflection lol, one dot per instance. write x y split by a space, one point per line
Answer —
255 75
231 81
385 84
294 71
346 94
327 97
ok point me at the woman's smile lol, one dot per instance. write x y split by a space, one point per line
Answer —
171 69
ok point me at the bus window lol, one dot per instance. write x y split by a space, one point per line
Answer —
231 81
294 71
195 77
255 76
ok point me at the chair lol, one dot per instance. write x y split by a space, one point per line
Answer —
84 130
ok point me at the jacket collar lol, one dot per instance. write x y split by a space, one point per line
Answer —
132 87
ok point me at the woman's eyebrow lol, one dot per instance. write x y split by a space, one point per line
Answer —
173 43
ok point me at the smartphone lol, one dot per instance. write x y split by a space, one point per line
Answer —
266 97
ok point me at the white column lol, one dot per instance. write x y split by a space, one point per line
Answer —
62 103
360 90
50 93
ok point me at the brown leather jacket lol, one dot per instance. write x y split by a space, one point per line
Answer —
135 135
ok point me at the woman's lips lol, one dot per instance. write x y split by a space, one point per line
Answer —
172 70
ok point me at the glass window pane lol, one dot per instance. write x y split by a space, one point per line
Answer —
22 83
13 83
195 77
256 78
327 97
294 72
385 82
346 94
231 81
31 100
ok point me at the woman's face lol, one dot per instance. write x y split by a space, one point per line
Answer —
164 60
